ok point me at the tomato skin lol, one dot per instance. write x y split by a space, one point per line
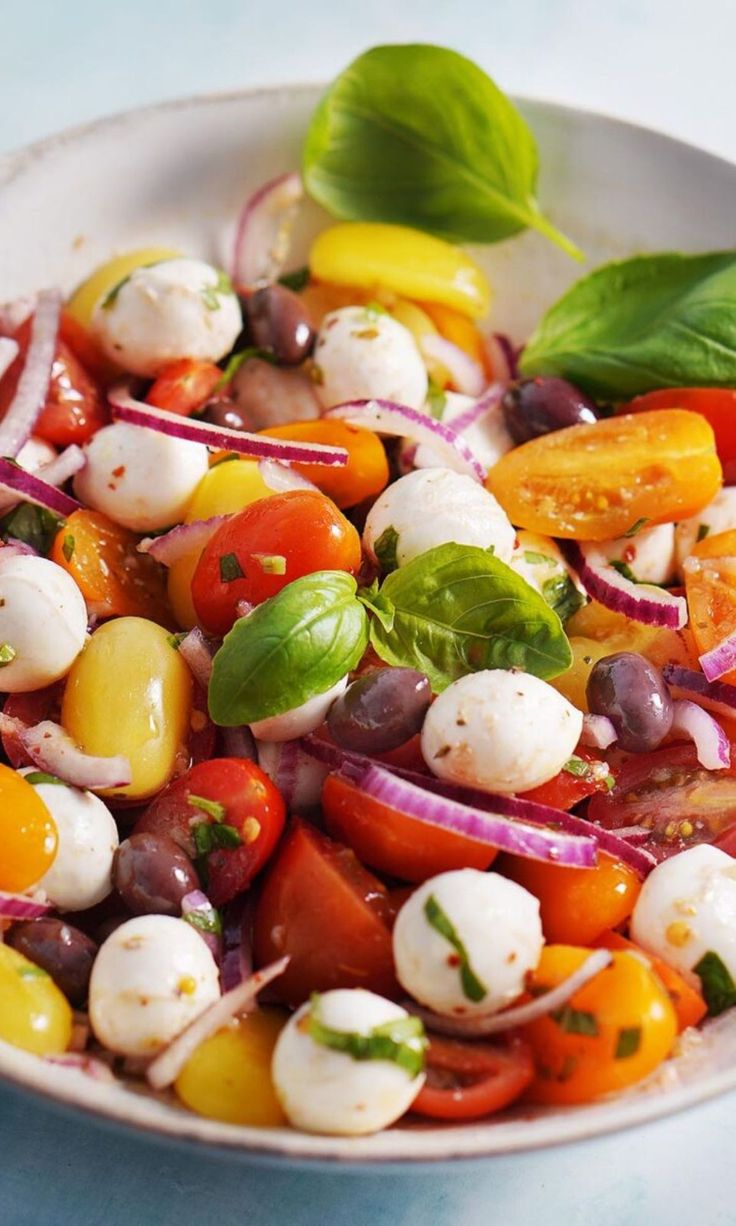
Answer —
710 586
565 790
366 472
302 526
329 914
576 905
468 1081
184 386
30 708
392 842
28 833
114 578
689 1006
716 404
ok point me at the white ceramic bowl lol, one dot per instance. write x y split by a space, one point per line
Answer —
176 174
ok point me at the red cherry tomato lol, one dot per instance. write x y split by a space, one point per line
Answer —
329 914
184 386
252 807
298 533
716 404
30 708
566 790
466 1081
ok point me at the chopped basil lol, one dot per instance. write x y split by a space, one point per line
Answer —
211 293
176 640
7 654
230 568
575 1021
562 596
271 563
110 297
441 922
538 559
31 971
212 807
236 360
205 920
34 526
576 766
373 309
42 777
628 1042
211 836
637 526
703 530
719 989
401 1041
385 549
68 546
436 400
296 280
624 570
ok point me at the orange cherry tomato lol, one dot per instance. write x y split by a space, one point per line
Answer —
115 580
716 404
688 1004
576 905
593 482
321 297
184 386
28 834
364 475
466 1081
614 1031
461 331
84 347
710 586
617 632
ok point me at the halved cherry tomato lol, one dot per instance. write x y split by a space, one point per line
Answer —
467 1081
83 346
252 806
566 790
688 1004
74 408
726 839
184 386
28 833
302 530
103 560
720 545
710 586
392 842
329 914
576 905
30 709
593 482
364 475
461 331
716 404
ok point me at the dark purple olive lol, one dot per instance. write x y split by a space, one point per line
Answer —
539 406
279 322
152 874
380 711
65 953
224 412
632 693
266 395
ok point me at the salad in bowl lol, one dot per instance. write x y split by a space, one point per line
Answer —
369 674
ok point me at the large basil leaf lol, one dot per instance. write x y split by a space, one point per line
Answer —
290 648
419 135
457 610
653 321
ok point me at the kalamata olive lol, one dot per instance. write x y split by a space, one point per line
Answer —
539 406
279 322
632 693
267 395
65 953
224 412
152 874
380 711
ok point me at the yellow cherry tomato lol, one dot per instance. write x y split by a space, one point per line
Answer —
28 834
35 1015
369 254
421 326
129 692
98 285
611 1034
573 683
229 1076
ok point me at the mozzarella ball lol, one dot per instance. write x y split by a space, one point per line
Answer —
432 507
362 354
649 555
687 908
179 308
34 453
500 731
300 720
498 924
81 874
487 438
141 478
323 1090
718 516
539 561
151 978
43 619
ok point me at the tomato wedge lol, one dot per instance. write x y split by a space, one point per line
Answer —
467 1081
184 386
566 789
710 586
716 404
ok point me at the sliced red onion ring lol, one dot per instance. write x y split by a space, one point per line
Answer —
717 696
69 462
649 605
51 749
720 660
711 743
467 375
9 350
239 742
474 413
18 907
236 964
30 488
83 1063
164 1070
182 540
296 773
15 313
521 1015
503 355
279 477
197 651
264 230
33 385
387 417
258 446
598 732
197 904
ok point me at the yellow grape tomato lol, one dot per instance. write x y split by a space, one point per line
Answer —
98 285
229 1076
35 1015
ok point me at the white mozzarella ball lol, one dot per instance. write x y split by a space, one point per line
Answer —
500 731
487 438
150 979
496 921
43 619
361 354
81 874
142 479
34 453
300 720
687 908
539 561
323 1090
718 516
178 308
434 506
649 555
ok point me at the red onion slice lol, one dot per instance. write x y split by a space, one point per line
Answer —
598 732
197 904
197 651
9 350
18 907
15 313
237 959
503 356
467 375
258 446
279 477
649 605
33 385
182 540
164 1070
264 230
711 743
51 749
720 660
239 742
398 420
717 696
29 488
69 462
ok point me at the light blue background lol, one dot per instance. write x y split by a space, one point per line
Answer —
668 63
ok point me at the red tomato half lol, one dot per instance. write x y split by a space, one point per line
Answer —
184 386
716 404
566 790
30 708
466 1081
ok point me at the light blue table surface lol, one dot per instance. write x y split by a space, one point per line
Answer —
668 63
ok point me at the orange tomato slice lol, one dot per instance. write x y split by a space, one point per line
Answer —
710 586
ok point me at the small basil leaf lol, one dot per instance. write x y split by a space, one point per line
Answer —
385 549
34 526
719 989
379 605
296 280
562 596
293 646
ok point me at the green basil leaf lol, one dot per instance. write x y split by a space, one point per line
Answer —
653 321
379 605
34 526
562 596
719 989
293 646
437 918
402 1041
385 549
296 280
575 1021
628 1042
458 609
419 135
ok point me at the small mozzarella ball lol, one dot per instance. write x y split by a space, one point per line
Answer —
538 560
300 720
81 874
323 1090
488 438
687 908
43 619
433 506
500 731
142 479
497 922
34 453
176 309
649 555
151 978
361 354
718 516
